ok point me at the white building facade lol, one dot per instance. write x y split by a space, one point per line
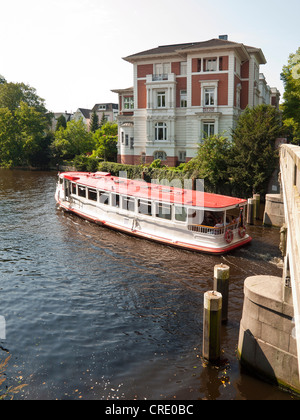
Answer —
183 93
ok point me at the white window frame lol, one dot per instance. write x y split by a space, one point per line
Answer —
209 96
207 87
182 156
211 64
183 68
161 99
128 102
161 131
183 99
208 129
160 155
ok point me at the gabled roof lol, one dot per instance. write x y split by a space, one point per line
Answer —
85 112
183 49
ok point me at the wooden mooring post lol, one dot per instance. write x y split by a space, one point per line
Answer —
221 285
256 198
250 211
212 315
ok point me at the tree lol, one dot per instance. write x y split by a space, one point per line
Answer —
106 139
22 135
72 141
12 94
254 157
2 80
103 120
211 163
61 122
291 107
94 124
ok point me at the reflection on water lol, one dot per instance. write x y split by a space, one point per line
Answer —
95 314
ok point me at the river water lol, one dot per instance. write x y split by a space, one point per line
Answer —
94 314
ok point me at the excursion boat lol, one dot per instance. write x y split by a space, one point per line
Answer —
184 218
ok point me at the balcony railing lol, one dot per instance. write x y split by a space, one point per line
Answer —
157 77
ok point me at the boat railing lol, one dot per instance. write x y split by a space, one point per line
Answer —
209 230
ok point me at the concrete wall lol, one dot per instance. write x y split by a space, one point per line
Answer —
267 344
274 210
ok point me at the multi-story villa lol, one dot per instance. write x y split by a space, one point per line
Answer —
184 92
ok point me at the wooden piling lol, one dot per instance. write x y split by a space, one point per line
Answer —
221 285
212 315
250 211
256 198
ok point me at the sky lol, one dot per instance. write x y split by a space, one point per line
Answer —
71 51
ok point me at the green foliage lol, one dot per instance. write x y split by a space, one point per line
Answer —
72 141
156 164
12 94
24 123
94 124
106 139
61 122
211 163
86 163
291 107
254 157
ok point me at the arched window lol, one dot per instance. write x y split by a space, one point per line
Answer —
160 155
160 131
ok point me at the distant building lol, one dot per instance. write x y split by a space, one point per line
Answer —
84 114
185 92
109 110
68 116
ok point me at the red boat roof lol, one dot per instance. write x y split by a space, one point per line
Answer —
141 189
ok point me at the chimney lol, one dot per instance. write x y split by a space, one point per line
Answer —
224 37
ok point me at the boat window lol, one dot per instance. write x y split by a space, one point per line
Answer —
61 180
104 197
128 203
180 214
73 189
82 192
115 200
213 218
195 216
164 211
145 207
92 194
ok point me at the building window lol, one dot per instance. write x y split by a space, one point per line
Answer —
182 156
183 99
208 129
209 96
126 139
129 103
210 64
131 142
160 131
102 108
161 99
183 68
160 155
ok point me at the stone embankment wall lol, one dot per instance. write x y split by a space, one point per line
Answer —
267 344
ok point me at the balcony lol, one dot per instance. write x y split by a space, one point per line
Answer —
150 78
